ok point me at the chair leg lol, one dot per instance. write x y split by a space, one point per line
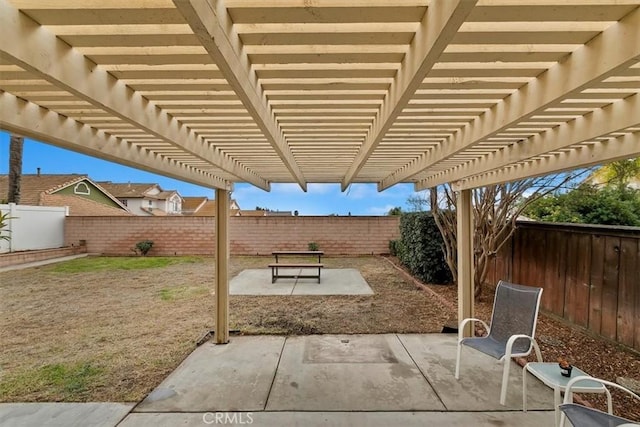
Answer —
458 354
505 381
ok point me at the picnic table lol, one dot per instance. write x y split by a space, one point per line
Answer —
277 265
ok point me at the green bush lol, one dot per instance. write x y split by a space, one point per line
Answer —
143 247
420 248
313 246
393 247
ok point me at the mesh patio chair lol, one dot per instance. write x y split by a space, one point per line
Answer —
581 416
512 331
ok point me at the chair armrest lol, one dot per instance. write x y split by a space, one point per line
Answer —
512 339
568 395
467 320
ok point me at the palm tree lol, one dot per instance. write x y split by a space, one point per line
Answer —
15 168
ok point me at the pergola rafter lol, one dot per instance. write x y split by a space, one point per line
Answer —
606 54
35 49
41 124
582 155
438 27
214 30
615 117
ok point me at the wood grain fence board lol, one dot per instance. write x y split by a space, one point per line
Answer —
554 272
538 244
583 261
506 263
627 282
636 317
502 263
548 282
561 273
517 259
596 283
571 283
590 273
526 255
610 287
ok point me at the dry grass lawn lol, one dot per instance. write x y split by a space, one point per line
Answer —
105 329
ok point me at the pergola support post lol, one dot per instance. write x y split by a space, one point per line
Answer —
222 264
464 211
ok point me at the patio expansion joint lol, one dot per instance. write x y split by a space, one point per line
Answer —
275 373
293 288
422 373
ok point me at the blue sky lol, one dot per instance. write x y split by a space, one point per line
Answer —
320 199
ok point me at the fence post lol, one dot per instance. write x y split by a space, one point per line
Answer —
12 217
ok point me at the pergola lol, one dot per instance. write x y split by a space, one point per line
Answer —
468 92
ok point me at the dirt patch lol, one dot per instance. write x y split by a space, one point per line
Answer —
118 333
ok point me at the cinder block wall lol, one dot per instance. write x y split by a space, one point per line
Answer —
248 235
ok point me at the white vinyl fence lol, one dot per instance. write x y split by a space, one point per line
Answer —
33 227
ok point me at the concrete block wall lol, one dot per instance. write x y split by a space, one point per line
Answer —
119 235
184 235
15 258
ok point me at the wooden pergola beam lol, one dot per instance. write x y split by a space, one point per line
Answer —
438 27
589 154
213 27
35 49
603 56
615 117
28 119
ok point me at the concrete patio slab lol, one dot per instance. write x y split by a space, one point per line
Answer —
337 380
335 281
480 376
346 419
63 414
349 373
232 377
258 282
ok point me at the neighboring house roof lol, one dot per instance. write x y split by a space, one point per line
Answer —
164 195
31 186
154 211
191 205
128 190
138 191
253 213
36 189
279 213
79 206
202 206
207 209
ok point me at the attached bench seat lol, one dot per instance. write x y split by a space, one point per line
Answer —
275 273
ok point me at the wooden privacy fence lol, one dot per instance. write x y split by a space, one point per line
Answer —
590 274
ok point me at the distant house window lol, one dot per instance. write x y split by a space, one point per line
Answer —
150 203
82 188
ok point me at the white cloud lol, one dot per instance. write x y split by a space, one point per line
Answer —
360 191
322 188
